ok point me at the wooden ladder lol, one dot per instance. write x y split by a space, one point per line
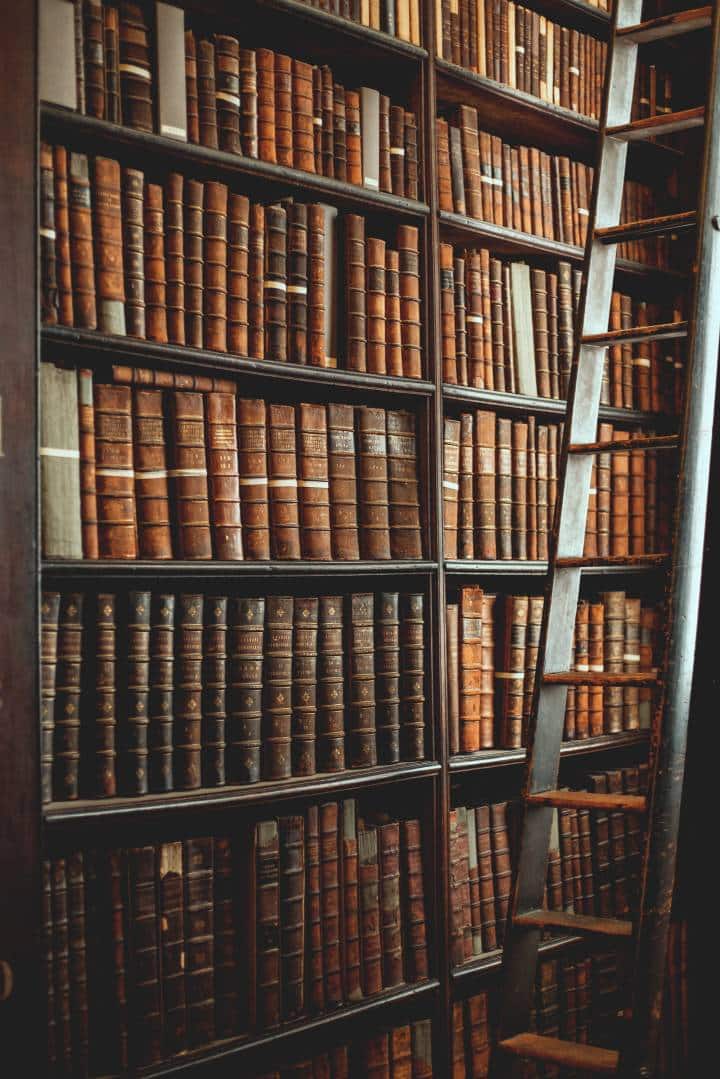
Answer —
672 682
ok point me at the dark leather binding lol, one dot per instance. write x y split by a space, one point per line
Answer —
136 81
199 952
283 110
245 690
375 301
267 926
175 258
302 116
313 927
304 686
393 314
370 939
256 277
133 230
330 896
160 708
412 676
403 486
214 691
155 280
117 527
248 103
313 483
275 284
191 87
107 233
277 687
189 476
252 447
48 270
94 54
413 906
63 257
297 283
82 258
283 482
134 675
238 269
227 92
373 486
171 923
390 904
355 293
207 98
331 686
151 476
187 717
387 676
500 841
215 286
361 658
352 965
144 975
193 197
409 270
265 63
102 780
292 916
224 478
229 968
49 615
343 482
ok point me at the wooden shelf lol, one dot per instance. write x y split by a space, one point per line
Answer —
577 14
174 803
500 758
518 403
316 18
466 976
507 567
157 152
102 569
101 351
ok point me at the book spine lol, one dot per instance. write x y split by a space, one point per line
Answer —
416 948
188 718
227 92
387 676
330 895
102 747
313 482
302 116
207 95
304 686
136 79
191 88
229 967
214 691
88 481
451 486
151 475
245 696
403 486
117 528
471 733
171 923
161 700
313 926
94 55
238 273
108 246
144 975
47 231
502 872
48 963
49 616
362 716
375 299
277 688
155 280
189 476
215 275
297 283
352 966
61 964
452 630
343 482
282 483
82 259
487 879
133 260
77 961
331 686
355 293
265 65
224 485
370 939
412 677
390 904
292 916
174 258
373 486
199 949
63 255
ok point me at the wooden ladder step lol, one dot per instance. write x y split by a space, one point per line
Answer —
664 124
647 227
635 442
566 799
565 1054
600 678
667 26
576 923
613 560
659 331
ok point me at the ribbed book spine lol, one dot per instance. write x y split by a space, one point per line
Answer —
245 682
161 701
214 690
304 686
331 686
361 657
187 725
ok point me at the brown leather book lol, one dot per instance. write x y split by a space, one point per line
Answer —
351 953
297 283
199 952
143 967
487 879
412 676
117 528
353 136
327 115
323 284
171 925
373 487
475 319
460 929
136 78
391 920
214 691
313 482
393 314
248 103
193 254
519 490
471 616
452 629
103 781
155 280
468 124
94 55
265 64
313 929
409 265
397 150
466 515
451 485
376 314
168 380
283 110
497 326
302 116
207 95
191 88
160 707
151 476
362 746
370 939
412 161
245 680
459 301
133 255
215 283
81 243
532 644
445 192
88 482
339 132
613 658
107 231
292 916
511 677
238 269
343 482
387 676
331 686
282 483
252 447
174 258
485 484
474 884
275 284
456 171
227 92
416 964
48 928
189 476
504 510
277 687
620 498
448 314
304 685
68 680
330 904
49 615
403 486
500 842
63 260
229 967
384 172
224 479
47 231
134 675
355 293
256 277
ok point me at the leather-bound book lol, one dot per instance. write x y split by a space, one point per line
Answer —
323 286
282 483
375 297
352 960
224 480
48 270
252 448
596 629
414 914
331 686
117 527
384 173
376 1056
133 254
144 996
582 663
339 132
393 314
256 278
174 258
313 482
49 615
214 691
302 116
397 150
471 620
277 687
613 658
373 486
466 512
565 324
155 280
460 304
361 647
94 53
313 927
502 872
468 120
456 172
191 88
189 476
207 95
63 259
511 678
343 482
245 681
267 926
486 877
486 431
421 1040
460 927
161 700
193 197
445 192
474 884
297 283
136 80
355 293
88 482
387 676
451 485
370 939
452 630
101 755
391 921
283 110
61 964
412 677
151 477
631 664
107 230
400 1051
504 510
354 137
412 161
82 257
265 65
238 269
275 284
171 924
620 498
331 904
199 951
292 916
187 717
409 268
228 968
603 474
227 92
532 644
215 284
487 673
403 486
48 963
134 677
248 103
474 319
304 685
327 110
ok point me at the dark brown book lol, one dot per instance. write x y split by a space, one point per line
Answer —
224 486
339 132
397 150
373 485
102 780
370 938
511 656
215 278
199 952
171 923
48 962
390 904
229 965
355 293
331 686
412 676
49 615
352 960
245 682
94 55
445 191
114 471
238 273
155 280
136 80
146 1044
253 467
313 482
134 677
227 92
283 110
362 745
108 246
68 681
302 116
452 629
504 509
161 700
277 687
214 691
207 95
297 283
88 480
403 486
304 685
460 912
151 475
292 916
487 879
63 256
331 904
387 677
448 314
82 259
282 482
48 270
267 925
343 482
189 476
275 284
188 699
191 87
413 902
133 255
256 277
265 69
193 261
248 102
175 258
384 170
471 622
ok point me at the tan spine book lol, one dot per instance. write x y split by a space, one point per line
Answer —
189 476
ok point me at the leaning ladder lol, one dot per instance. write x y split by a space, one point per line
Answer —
661 807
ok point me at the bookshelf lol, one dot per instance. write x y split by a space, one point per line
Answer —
434 785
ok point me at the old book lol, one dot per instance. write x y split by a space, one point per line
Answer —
352 963
323 286
238 273
245 682
397 150
193 197
375 299
144 973
275 284
224 484
460 939
387 676
175 258
92 36
470 666
456 171
326 164
227 92
63 260
453 676
304 686
292 916
49 615
188 699
342 482
302 116
114 471
466 515
330 904
403 486
613 658
445 192
207 96
170 67
362 747
511 678
283 482
451 485
500 842
214 691
373 486
448 315
370 133
136 78
154 249
331 686
47 232
111 37
171 923
215 284
413 902
370 939
248 102
68 681
504 487
191 88
283 110
277 683
134 677
199 951
82 259
161 699
313 901
265 68
519 490
485 485
353 137
339 132
133 260
391 920
101 743
252 450
297 283
151 475
486 877
229 966
189 476
60 463
313 482
522 316
355 293
460 300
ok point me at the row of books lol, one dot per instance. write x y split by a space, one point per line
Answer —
500 489
508 326
157 692
401 1053
492 655
110 63
154 950
526 189
194 263
150 474
593 866
398 17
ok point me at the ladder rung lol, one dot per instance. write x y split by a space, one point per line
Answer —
600 678
663 124
666 26
618 560
566 1054
565 799
576 923
636 442
660 331
647 227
